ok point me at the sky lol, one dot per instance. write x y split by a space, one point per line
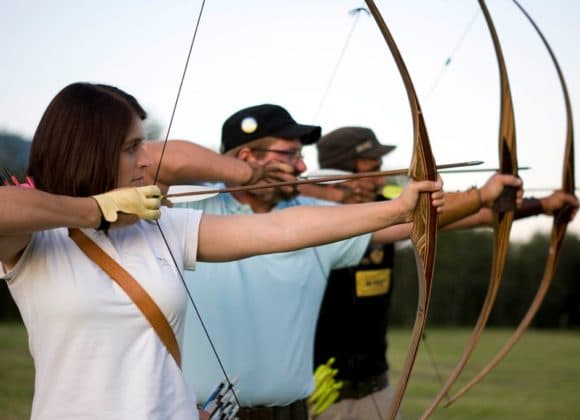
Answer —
286 52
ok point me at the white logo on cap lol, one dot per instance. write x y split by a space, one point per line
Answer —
364 146
249 125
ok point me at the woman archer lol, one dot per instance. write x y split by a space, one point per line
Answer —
95 354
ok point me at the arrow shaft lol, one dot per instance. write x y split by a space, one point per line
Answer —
316 180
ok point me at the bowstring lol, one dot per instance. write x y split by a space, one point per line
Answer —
356 13
189 294
452 54
179 91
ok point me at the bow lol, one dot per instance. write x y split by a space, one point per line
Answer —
560 223
503 213
229 383
424 231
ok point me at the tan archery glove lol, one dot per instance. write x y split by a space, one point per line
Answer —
143 202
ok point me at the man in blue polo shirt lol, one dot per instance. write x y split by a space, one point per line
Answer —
261 312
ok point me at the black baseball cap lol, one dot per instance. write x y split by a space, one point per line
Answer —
265 120
340 148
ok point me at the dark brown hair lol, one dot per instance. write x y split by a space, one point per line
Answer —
76 147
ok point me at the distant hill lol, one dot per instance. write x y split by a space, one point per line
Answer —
14 152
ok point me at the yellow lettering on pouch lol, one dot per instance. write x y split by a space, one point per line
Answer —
373 282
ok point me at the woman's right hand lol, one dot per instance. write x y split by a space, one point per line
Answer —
410 196
142 202
272 172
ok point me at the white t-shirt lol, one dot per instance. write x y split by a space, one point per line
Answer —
95 354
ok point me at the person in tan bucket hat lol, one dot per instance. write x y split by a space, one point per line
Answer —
354 314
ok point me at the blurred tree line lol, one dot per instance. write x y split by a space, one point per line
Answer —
13 153
461 280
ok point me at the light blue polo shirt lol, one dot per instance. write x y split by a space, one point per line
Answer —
261 313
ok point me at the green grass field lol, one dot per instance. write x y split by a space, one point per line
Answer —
16 373
540 379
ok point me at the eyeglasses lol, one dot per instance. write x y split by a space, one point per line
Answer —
292 155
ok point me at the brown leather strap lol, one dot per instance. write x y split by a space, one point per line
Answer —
530 207
362 388
459 205
139 296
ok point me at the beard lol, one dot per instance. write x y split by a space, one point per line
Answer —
273 196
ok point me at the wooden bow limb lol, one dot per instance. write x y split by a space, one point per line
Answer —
424 231
559 226
317 180
503 214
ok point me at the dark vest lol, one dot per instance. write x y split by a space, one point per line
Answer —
353 319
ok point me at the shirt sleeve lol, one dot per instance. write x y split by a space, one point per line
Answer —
184 224
11 275
191 238
345 253
349 252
